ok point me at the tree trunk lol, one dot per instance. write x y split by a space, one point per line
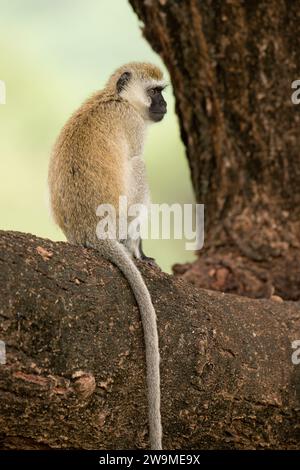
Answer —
232 64
74 375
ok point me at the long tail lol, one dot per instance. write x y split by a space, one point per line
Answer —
116 253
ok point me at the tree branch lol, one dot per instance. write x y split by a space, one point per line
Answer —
75 370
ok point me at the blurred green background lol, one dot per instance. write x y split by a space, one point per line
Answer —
53 55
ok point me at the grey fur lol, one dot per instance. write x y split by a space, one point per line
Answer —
116 253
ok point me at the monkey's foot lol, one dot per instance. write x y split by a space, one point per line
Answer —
149 260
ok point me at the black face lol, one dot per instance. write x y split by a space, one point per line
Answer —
158 106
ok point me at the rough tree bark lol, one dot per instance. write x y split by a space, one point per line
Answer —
232 64
75 370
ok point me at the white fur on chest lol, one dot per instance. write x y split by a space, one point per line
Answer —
138 182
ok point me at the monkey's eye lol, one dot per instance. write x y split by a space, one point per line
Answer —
152 91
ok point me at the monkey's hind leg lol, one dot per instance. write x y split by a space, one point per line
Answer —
135 248
145 258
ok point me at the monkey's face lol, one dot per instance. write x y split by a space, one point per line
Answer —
143 90
158 105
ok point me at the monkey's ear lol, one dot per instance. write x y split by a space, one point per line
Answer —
123 80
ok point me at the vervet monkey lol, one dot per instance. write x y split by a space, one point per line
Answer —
96 159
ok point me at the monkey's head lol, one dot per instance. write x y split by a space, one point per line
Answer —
141 84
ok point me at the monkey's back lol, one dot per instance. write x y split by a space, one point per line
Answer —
88 167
